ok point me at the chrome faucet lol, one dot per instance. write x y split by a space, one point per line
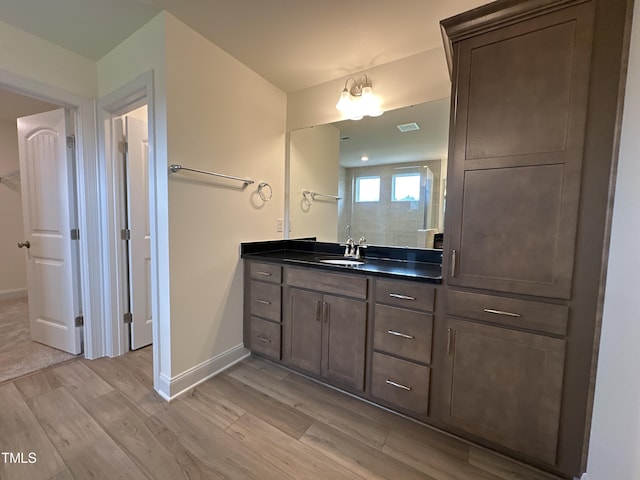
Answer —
361 245
349 245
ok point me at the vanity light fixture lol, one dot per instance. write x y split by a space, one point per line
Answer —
359 100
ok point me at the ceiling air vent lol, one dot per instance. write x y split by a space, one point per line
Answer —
408 127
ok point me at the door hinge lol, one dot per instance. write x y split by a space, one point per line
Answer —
79 321
128 317
125 234
71 141
75 234
123 147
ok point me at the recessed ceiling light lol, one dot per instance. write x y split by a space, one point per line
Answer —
408 127
364 158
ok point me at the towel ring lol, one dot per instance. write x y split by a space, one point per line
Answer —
263 195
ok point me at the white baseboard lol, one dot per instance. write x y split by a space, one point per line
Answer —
171 388
11 294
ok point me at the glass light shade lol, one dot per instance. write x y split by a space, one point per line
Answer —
369 103
356 107
344 102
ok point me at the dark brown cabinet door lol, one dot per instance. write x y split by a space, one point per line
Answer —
505 386
344 340
326 335
516 154
302 335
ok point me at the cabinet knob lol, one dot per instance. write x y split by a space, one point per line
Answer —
26 244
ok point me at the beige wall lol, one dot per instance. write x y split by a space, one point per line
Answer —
417 79
13 270
615 433
29 56
222 117
210 113
314 155
142 53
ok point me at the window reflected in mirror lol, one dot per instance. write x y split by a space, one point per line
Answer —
384 177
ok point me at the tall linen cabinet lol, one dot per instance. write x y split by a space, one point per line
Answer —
536 105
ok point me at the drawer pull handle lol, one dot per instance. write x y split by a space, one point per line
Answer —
264 274
262 339
401 297
398 334
397 385
502 312
264 302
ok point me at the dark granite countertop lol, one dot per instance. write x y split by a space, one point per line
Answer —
409 263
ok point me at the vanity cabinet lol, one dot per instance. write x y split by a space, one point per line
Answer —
536 99
402 342
262 307
325 324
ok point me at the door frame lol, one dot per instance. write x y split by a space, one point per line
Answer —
117 340
88 200
136 93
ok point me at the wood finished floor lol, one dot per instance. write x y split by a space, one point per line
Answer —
102 419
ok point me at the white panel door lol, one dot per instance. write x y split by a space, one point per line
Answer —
48 200
140 243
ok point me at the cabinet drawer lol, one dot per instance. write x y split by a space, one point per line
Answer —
403 332
512 312
265 299
401 383
265 337
419 296
267 272
340 284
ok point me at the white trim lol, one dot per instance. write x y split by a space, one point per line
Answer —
88 198
13 293
171 388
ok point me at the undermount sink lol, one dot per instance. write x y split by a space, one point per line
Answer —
342 261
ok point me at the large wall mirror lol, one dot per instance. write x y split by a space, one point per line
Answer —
384 177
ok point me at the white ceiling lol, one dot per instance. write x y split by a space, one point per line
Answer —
90 28
380 139
294 44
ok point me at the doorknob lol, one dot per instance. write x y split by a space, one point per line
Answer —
26 243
